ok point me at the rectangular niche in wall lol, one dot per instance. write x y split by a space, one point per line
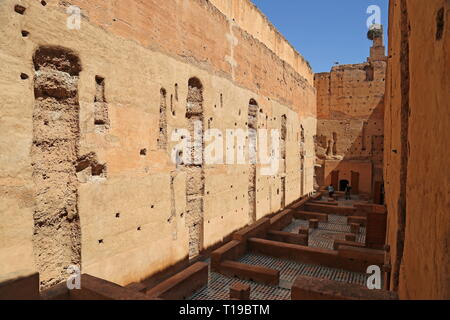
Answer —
162 139
284 158
369 72
195 184
54 153
101 117
302 160
252 141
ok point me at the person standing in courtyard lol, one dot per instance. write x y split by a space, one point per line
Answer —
331 190
348 192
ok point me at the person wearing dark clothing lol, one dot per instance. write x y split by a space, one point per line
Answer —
348 192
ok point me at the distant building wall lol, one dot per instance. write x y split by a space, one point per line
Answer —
350 115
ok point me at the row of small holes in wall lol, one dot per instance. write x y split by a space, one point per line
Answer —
235 211
221 105
244 173
215 106
101 241
243 196
21 10
240 112
117 215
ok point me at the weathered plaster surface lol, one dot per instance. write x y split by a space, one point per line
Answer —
133 215
350 115
416 149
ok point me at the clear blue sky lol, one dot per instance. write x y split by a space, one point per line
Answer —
325 31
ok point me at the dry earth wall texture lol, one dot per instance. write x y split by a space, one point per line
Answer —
350 111
86 134
416 148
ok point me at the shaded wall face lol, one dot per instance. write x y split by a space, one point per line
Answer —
416 157
132 94
350 111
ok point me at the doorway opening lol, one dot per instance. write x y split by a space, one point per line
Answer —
343 184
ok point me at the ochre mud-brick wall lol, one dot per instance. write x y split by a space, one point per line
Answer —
121 206
416 148
350 119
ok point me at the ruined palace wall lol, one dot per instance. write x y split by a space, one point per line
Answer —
349 105
245 14
392 145
416 148
350 108
131 198
177 28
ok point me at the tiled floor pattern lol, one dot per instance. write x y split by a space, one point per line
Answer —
219 285
289 270
219 289
324 236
